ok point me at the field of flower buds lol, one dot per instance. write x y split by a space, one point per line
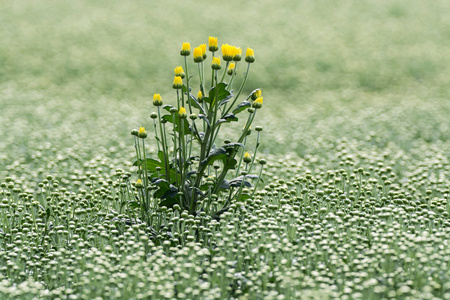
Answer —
354 201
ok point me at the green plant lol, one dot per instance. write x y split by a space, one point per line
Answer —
190 169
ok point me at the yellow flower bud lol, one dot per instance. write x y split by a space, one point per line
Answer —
227 52
177 82
179 72
203 46
258 103
249 55
212 43
198 55
238 54
139 184
157 100
142 134
231 68
200 97
185 49
215 64
256 94
182 113
247 158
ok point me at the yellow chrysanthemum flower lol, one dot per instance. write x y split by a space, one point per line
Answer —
256 94
238 54
179 72
177 82
139 183
249 55
200 96
227 52
198 54
185 49
203 46
157 100
247 158
258 103
215 64
142 134
182 113
231 68
212 43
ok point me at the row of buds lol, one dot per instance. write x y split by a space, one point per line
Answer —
229 53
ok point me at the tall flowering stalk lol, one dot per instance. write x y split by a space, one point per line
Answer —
191 169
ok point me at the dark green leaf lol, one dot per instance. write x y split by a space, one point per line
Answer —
169 119
228 118
223 94
237 182
203 117
161 156
231 164
169 202
241 107
167 107
243 197
225 185
215 154
134 204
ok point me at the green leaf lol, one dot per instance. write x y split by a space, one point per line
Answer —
227 119
237 182
215 154
169 118
241 107
163 188
223 94
161 156
243 197
167 107
205 118
169 202
231 164
134 204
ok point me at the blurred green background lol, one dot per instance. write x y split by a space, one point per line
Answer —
79 75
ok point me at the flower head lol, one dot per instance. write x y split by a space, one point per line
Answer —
157 100
139 183
198 54
258 103
185 49
203 46
182 113
256 94
200 96
215 64
141 133
177 82
227 52
231 67
179 72
247 158
237 54
249 55
212 43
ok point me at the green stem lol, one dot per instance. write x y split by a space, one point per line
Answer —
163 142
240 89
224 71
187 86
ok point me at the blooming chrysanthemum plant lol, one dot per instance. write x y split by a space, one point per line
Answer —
191 170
